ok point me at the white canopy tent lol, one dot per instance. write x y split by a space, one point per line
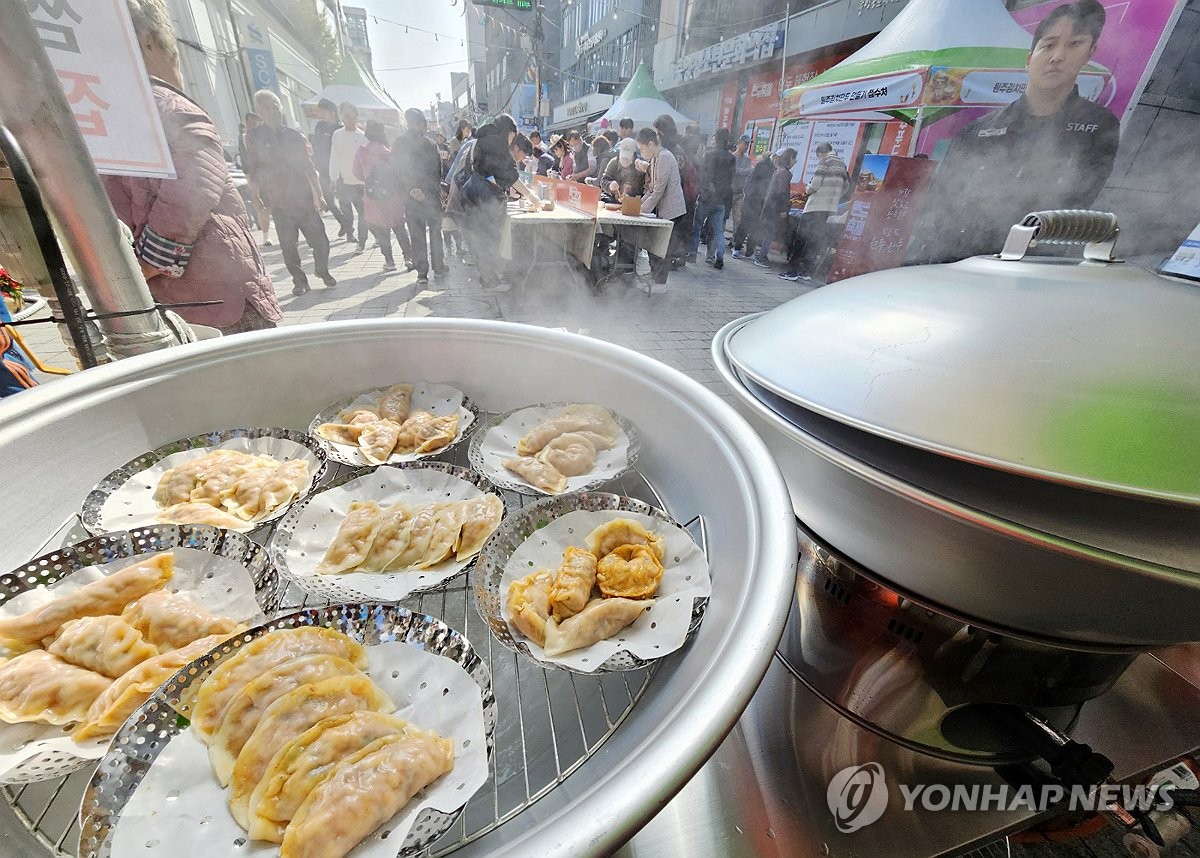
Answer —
354 84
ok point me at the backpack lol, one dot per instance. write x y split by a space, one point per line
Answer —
689 177
378 187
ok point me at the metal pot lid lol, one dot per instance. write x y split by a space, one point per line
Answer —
1084 373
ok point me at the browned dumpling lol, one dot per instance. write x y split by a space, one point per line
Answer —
629 571
528 604
573 583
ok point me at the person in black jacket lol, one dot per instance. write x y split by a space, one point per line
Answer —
321 140
1049 149
715 198
419 177
492 174
745 238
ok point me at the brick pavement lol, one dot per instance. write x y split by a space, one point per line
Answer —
674 324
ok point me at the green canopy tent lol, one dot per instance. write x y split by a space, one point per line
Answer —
642 102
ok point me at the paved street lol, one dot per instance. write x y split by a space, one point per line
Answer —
674 324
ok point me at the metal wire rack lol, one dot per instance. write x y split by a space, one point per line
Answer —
549 722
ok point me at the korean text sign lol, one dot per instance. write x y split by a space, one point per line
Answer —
93 49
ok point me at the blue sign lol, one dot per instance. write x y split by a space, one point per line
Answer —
262 69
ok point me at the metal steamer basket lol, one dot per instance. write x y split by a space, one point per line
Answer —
699 462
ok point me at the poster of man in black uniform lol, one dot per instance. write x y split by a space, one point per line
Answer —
1049 149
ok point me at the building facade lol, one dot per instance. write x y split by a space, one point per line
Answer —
355 38
514 63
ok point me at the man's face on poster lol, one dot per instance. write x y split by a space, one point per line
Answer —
1059 56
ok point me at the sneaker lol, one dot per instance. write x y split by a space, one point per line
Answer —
805 277
422 279
266 242
737 254
789 275
360 249
719 264
300 288
762 264
328 280
409 266
389 266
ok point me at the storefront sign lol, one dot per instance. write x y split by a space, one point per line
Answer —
869 5
585 106
883 92
519 5
95 54
962 87
764 130
755 45
881 216
587 42
257 41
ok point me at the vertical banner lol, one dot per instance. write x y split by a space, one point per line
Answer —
727 107
95 54
886 200
257 42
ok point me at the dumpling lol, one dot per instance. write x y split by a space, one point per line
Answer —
421 527
572 418
537 474
126 694
393 405
170 621
307 760
480 519
201 513
223 474
109 595
261 491
624 531
601 619
287 718
341 433
600 442
390 538
38 686
353 540
573 583
256 658
176 484
571 454
528 604
424 432
242 714
359 416
447 524
378 440
365 791
630 571
108 645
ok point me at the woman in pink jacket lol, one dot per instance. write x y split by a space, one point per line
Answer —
384 205
191 233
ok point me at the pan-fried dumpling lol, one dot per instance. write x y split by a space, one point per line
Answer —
261 491
393 405
38 686
421 529
629 571
480 519
108 645
170 621
572 418
528 604
286 719
256 658
242 714
378 440
126 694
307 760
573 583
201 513
365 791
601 619
353 540
177 484
537 474
391 537
571 454
109 595
623 531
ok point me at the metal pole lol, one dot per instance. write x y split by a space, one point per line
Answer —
247 81
34 109
787 25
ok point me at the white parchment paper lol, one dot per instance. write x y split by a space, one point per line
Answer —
500 444
220 585
431 396
132 505
660 630
318 522
180 809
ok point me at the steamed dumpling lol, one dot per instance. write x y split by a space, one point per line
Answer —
573 418
170 621
537 474
601 619
201 513
354 539
573 583
480 519
421 528
571 454
222 474
109 595
391 538
108 645
341 433
623 531
261 491
378 440
177 484
528 604
364 791
308 759
393 405
256 658
38 686
424 432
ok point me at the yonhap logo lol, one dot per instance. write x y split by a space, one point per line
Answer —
857 796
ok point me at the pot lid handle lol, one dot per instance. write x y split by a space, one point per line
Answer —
1097 231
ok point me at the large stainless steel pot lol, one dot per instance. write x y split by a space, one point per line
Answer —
57 441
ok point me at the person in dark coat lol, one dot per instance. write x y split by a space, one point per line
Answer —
774 221
321 140
745 238
419 171
716 197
